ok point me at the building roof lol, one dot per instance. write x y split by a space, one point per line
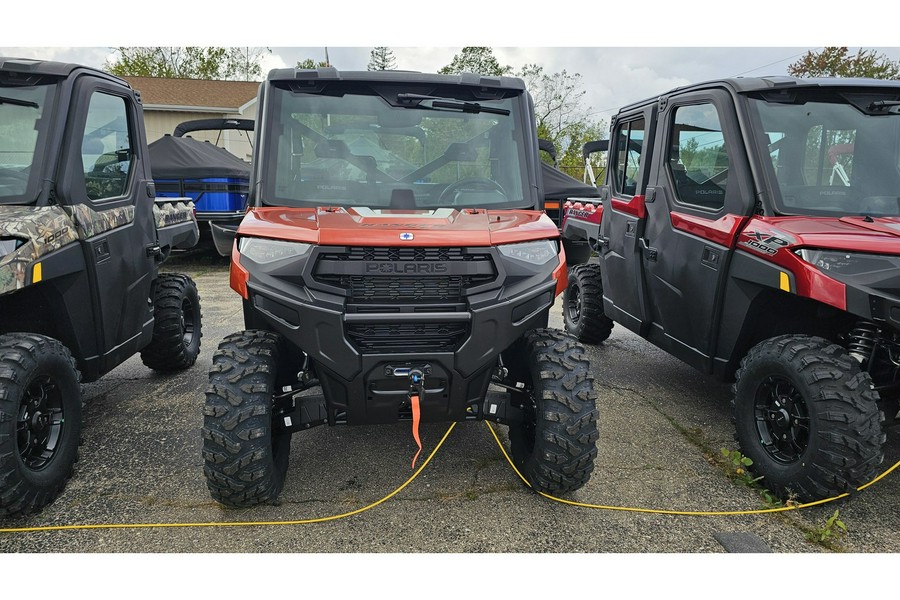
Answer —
181 94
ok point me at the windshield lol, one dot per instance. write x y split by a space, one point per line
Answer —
833 153
21 140
351 147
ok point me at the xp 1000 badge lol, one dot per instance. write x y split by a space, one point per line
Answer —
765 242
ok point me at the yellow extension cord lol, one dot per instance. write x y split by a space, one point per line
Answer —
694 513
413 477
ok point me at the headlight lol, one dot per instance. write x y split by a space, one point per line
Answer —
10 245
848 263
536 253
266 251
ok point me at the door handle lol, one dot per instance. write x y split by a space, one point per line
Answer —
101 251
649 252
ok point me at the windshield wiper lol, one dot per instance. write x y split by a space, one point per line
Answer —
414 101
17 102
891 106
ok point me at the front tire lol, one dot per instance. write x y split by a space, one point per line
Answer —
807 417
245 459
582 305
555 446
40 421
176 324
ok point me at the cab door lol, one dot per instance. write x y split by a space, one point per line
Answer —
624 220
103 186
699 197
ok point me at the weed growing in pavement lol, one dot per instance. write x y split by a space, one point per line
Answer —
834 528
723 461
740 464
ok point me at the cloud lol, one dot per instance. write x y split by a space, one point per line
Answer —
610 76
272 61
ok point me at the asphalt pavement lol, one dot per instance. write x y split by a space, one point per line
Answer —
662 425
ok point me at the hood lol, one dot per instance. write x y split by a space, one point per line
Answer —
336 226
29 234
855 234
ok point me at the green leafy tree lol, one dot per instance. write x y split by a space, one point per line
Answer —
476 59
834 61
310 63
381 59
244 63
571 160
562 116
188 62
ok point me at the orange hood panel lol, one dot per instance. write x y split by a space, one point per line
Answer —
336 226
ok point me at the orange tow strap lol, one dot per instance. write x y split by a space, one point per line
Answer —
415 426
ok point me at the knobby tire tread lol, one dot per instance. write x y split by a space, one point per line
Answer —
557 457
845 448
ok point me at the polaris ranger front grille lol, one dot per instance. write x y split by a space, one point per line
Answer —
407 337
395 289
404 275
372 254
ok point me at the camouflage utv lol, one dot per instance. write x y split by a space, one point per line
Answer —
81 239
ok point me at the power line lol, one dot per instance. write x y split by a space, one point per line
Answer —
616 108
776 62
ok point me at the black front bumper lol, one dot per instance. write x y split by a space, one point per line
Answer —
365 332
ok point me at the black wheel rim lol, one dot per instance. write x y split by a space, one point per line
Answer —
573 306
782 419
39 425
187 322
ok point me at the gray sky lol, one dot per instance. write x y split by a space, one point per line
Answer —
621 58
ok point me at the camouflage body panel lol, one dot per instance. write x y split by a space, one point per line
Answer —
43 230
92 222
172 213
46 229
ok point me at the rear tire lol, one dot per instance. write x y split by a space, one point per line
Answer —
245 460
176 324
807 417
554 448
582 305
40 421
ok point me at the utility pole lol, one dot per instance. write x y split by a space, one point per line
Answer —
327 62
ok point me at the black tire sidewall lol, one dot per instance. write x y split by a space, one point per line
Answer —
166 351
778 476
844 446
53 360
573 326
592 325
192 297
256 468
557 457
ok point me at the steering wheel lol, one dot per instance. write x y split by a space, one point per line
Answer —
473 184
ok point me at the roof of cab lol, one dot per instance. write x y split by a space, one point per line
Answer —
332 74
27 67
742 85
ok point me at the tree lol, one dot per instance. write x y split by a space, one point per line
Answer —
309 63
244 63
188 62
476 59
560 113
381 59
834 61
